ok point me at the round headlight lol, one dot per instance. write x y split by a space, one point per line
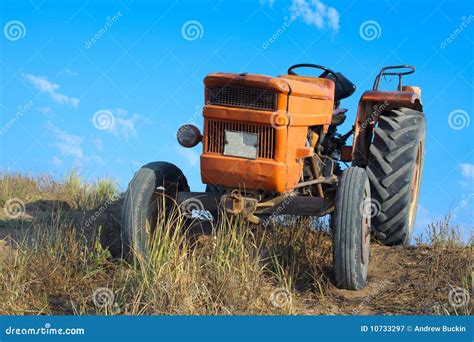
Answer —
188 135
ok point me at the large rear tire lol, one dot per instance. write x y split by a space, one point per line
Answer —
143 202
395 169
351 230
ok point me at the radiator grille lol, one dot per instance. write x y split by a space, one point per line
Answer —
242 97
216 135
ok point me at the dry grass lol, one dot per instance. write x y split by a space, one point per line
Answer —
72 190
54 261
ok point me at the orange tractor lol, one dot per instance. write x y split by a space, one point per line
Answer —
270 147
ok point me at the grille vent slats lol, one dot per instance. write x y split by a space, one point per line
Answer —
216 136
242 97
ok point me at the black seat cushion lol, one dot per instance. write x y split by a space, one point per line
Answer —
344 87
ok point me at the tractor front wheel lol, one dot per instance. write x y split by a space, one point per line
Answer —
151 193
351 229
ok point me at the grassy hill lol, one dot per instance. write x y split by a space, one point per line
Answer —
57 239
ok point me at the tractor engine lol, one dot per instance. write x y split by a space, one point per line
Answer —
256 128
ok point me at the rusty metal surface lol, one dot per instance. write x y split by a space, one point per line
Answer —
391 97
237 204
299 205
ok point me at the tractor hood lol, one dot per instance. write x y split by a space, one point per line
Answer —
302 86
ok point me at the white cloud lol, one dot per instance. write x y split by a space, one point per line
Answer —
467 171
69 145
125 127
45 86
45 110
316 13
56 161
122 124
68 72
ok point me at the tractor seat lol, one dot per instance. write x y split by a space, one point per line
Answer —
344 87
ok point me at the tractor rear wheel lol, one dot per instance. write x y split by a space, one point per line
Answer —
395 169
351 229
152 190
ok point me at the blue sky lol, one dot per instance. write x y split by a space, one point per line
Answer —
135 68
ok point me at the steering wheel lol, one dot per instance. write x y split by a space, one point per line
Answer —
325 73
